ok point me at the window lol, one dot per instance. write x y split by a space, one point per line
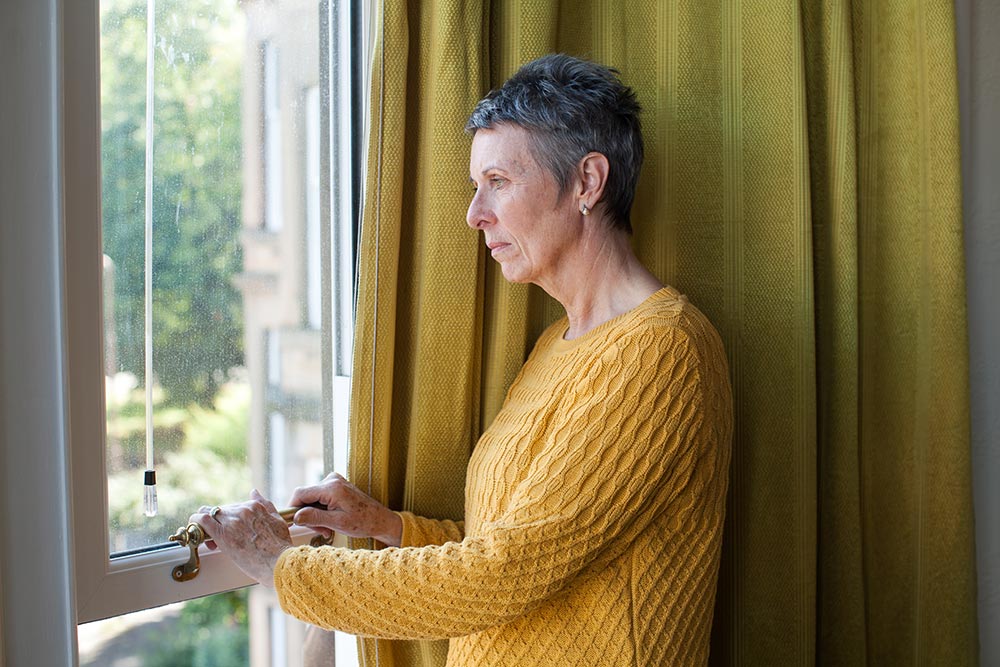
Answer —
314 261
270 85
251 269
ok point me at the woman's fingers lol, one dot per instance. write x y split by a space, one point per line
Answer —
236 516
203 519
320 521
348 509
251 533
356 515
311 517
256 496
323 493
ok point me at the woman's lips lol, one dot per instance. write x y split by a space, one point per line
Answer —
497 247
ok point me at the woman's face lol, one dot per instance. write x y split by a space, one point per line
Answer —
516 204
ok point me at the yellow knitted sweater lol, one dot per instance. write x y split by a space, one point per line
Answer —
593 520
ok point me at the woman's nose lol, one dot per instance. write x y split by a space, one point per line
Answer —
478 214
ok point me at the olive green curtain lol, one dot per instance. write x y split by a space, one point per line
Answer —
802 186
416 375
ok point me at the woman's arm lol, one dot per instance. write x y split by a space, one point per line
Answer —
648 424
419 531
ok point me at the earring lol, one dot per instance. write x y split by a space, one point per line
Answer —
584 209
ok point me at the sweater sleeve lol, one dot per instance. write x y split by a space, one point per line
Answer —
623 447
419 531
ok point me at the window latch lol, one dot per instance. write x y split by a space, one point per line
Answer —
192 536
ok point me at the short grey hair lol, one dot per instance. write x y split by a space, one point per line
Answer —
571 107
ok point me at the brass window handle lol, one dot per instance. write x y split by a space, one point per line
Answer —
193 535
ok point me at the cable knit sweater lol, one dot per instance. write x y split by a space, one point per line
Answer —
594 513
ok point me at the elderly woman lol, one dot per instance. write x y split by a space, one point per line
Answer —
595 500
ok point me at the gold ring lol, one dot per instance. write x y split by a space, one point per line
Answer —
215 510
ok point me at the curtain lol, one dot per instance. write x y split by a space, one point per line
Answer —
418 338
802 186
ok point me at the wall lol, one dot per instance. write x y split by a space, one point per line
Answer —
37 606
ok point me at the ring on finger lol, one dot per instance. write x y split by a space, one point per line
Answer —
215 510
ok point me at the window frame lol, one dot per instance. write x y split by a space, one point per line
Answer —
106 587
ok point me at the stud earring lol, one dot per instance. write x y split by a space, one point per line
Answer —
584 209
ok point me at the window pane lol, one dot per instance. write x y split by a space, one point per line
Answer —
252 271
238 275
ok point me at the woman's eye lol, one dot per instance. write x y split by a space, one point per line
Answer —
496 181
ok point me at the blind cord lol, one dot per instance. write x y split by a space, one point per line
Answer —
149 477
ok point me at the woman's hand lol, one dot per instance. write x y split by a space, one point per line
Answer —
348 510
252 534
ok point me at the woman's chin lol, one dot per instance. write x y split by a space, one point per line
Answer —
512 275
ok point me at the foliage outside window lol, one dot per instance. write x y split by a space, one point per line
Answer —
201 395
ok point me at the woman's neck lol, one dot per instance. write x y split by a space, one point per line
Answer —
600 280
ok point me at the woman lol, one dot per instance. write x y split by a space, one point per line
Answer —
595 500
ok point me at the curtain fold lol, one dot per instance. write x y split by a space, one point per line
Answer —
830 75
802 186
418 336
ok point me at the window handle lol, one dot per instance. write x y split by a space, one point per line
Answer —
193 535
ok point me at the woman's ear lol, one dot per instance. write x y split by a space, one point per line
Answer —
593 173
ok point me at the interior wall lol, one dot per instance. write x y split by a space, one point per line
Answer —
978 23
37 605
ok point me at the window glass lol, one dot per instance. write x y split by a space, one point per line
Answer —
238 273
201 391
239 139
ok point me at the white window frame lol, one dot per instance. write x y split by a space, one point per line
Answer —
104 587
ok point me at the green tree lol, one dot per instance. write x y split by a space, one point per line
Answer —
211 632
197 182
